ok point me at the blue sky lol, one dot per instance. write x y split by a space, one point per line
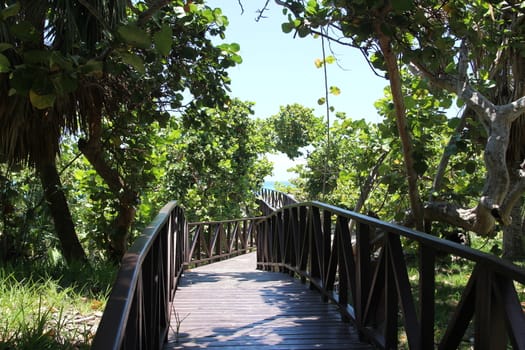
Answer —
279 69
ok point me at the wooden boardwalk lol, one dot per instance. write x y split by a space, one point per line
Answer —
231 305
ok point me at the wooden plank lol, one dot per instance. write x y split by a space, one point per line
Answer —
230 305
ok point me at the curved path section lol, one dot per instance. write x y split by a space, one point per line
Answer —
231 305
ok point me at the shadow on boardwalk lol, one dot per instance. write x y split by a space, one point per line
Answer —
231 305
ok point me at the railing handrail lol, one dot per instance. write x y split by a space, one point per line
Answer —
443 245
276 199
167 247
211 222
226 242
123 298
322 245
313 240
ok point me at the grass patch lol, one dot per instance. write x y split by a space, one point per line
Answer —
52 308
452 275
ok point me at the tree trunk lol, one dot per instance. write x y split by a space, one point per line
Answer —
402 126
127 198
514 235
71 248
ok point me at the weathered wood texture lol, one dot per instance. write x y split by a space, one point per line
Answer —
231 305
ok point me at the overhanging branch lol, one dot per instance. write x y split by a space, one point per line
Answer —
154 7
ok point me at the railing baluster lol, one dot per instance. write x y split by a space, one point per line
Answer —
391 301
279 239
326 246
303 241
137 310
510 303
378 281
427 285
489 322
315 249
343 273
404 290
363 269
299 239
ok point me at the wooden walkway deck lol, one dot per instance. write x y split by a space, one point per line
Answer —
231 305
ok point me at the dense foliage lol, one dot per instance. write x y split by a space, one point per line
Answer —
470 49
113 107
214 163
116 88
292 128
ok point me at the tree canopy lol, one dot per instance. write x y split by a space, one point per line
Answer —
119 105
103 71
470 49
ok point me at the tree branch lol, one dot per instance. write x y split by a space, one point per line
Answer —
146 15
473 98
462 66
512 197
513 110
344 43
440 173
288 6
261 11
478 219
242 7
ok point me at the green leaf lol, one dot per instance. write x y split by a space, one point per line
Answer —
10 11
22 80
451 68
410 102
287 27
93 67
133 60
321 101
38 57
378 61
312 7
163 40
334 90
236 58
64 84
5 66
134 36
42 83
402 5
25 31
453 122
303 31
58 60
41 101
5 46
330 59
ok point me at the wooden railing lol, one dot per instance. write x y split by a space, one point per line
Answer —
365 273
274 200
138 310
218 240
